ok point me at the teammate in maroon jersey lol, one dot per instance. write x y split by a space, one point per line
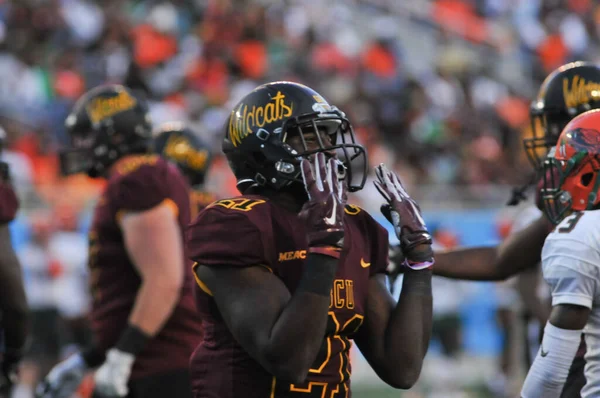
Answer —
288 273
178 143
143 315
13 303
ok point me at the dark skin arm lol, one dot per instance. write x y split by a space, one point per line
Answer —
395 336
518 252
13 303
283 332
569 316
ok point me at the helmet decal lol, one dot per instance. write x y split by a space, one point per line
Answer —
180 145
102 108
580 92
583 139
180 150
243 121
321 105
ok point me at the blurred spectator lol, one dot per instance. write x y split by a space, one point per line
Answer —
189 57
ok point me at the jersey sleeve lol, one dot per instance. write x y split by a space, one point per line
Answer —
228 238
570 269
141 189
379 245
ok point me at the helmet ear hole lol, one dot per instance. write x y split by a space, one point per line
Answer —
586 179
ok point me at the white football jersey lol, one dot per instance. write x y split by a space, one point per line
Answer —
571 267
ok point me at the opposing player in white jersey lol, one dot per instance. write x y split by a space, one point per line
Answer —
571 260
568 91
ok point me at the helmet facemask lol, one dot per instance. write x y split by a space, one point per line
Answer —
79 157
545 129
342 145
570 185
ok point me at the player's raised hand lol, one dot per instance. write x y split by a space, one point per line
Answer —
323 213
404 214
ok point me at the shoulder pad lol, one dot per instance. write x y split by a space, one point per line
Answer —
234 232
142 182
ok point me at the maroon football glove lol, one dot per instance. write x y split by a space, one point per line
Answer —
323 213
405 215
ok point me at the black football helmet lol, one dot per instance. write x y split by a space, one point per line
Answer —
105 124
261 123
568 91
178 144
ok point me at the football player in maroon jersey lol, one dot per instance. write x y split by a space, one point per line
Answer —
289 274
178 143
143 316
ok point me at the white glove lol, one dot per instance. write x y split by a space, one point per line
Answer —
111 378
64 378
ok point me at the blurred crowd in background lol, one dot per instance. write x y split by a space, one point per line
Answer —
439 90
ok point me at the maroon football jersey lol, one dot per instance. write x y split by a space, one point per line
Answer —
9 203
138 183
251 230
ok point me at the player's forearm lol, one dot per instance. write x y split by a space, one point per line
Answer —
522 250
298 332
476 263
409 330
154 304
13 302
517 253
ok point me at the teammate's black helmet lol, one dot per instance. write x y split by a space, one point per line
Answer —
259 125
105 124
177 143
568 91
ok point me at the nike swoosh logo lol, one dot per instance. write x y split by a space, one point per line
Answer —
542 353
331 220
364 264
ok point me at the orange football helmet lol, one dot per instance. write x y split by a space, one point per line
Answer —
571 180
